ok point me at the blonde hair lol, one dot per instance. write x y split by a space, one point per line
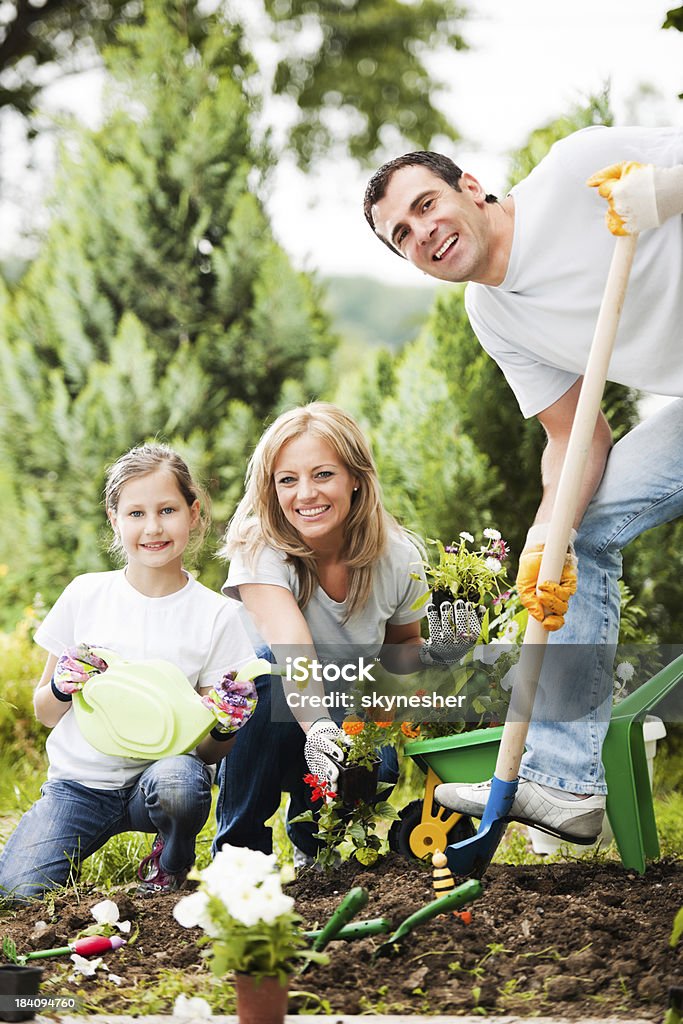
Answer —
259 520
147 458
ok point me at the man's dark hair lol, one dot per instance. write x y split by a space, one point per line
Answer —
440 165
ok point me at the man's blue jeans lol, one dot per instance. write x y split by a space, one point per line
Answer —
266 760
70 822
642 487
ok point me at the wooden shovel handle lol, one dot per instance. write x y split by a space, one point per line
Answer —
566 501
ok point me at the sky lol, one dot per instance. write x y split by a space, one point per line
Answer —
530 61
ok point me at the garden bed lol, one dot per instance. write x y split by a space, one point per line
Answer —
567 940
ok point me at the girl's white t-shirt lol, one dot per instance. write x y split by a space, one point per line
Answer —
393 593
196 629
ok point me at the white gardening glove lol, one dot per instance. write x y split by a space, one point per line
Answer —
640 196
454 629
322 750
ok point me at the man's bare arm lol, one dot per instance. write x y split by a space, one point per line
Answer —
557 422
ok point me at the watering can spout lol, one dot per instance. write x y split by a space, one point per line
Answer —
472 856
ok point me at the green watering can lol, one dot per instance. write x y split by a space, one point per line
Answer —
145 709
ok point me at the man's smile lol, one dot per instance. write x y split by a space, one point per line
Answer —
445 246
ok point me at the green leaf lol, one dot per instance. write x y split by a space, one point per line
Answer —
677 929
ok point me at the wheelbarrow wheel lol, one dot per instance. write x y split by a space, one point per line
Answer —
410 818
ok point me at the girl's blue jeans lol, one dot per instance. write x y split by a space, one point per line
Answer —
642 487
266 760
70 822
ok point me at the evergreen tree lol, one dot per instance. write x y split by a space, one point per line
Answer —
160 303
356 70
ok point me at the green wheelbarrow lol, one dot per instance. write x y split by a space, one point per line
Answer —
424 826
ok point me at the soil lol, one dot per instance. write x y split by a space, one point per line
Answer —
568 940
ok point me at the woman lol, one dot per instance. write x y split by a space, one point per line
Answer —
324 572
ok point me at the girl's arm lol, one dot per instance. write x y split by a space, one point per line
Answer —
211 751
49 710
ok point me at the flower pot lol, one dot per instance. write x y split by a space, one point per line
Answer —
15 982
260 1000
356 782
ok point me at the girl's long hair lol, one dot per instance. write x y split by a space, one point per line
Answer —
259 520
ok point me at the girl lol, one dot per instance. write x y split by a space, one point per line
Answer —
322 569
153 608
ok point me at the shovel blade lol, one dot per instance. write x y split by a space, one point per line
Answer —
472 856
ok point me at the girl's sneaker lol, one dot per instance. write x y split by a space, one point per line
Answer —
152 876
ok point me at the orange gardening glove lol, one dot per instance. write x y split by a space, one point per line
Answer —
629 189
550 604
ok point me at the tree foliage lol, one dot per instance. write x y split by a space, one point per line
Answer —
363 73
674 19
41 40
160 303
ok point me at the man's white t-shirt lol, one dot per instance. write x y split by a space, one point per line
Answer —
539 323
196 629
390 602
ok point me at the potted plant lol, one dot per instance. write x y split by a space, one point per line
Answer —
252 928
349 818
470 578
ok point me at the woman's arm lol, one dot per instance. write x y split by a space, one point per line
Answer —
48 709
401 645
281 623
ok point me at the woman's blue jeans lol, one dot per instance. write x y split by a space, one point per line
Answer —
69 822
642 487
266 760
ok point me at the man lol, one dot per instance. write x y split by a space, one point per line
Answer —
537 264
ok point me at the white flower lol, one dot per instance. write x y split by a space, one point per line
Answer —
193 912
115 978
236 866
488 654
246 882
265 903
107 912
625 671
467 536
493 564
491 534
191 1008
274 903
509 634
84 966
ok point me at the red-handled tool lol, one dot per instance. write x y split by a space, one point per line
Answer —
91 945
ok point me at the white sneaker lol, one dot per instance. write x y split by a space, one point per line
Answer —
575 821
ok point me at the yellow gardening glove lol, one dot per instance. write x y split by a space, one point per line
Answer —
629 189
550 604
